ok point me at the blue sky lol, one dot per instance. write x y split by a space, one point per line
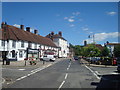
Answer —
76 20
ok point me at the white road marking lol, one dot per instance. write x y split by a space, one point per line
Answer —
93 72
97 72
21 78
66 75
61 85
21 69
33 72
67 68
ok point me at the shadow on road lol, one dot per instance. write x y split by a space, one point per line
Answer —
110 81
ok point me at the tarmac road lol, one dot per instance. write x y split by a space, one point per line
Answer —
65 74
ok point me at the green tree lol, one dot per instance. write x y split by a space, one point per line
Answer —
91 51
117 51
77 50
105 52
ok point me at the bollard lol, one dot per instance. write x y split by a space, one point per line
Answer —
43 62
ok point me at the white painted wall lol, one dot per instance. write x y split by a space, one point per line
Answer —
8 47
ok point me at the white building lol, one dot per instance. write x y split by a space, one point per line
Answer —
111 47
18 44
61 43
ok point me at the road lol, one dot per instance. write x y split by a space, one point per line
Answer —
66 74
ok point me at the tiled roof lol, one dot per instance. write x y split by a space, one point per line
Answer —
55 36
113 44
98 46
13 33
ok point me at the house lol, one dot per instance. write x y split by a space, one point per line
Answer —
111 46
60 42
18 44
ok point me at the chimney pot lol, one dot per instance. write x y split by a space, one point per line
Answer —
60 33
35 31
22 27
52 33
28 29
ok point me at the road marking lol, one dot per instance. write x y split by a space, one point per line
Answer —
3 80
61 85
21 78
21 69
66 75
93 72
33 72
97 72
67 68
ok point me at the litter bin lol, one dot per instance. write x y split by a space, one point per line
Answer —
7 62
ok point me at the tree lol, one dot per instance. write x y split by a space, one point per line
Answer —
91 51
77 50
105 52
117 51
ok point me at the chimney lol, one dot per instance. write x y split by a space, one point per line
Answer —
3 24
85 43
52 33
107 42
60 33
28 29
36 32
22 27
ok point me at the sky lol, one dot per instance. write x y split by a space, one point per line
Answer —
76 20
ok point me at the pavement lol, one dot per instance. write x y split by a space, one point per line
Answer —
15 64
95 65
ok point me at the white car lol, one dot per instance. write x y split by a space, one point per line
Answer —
49 58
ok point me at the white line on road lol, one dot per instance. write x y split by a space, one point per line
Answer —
21 78
66 75
21 69
67 68
93 72
61 85
33 72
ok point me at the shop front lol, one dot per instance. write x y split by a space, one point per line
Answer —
32 53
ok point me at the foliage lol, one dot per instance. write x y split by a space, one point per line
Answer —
105 52
117 51
77 50
91 51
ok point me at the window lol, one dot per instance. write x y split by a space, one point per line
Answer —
22 44
3 43
14 44
29 45
35 46
20 54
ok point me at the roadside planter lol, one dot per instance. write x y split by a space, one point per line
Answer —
32 61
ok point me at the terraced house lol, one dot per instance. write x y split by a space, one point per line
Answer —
18 44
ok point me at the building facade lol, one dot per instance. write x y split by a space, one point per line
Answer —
18 44
111 47
60 42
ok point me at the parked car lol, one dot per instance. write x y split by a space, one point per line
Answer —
49 58
76 57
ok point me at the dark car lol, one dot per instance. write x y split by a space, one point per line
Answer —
76 58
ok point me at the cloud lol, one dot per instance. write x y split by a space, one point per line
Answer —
71 20
65 18
16 25
76 13
72 25
85 28
103 36
111 13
